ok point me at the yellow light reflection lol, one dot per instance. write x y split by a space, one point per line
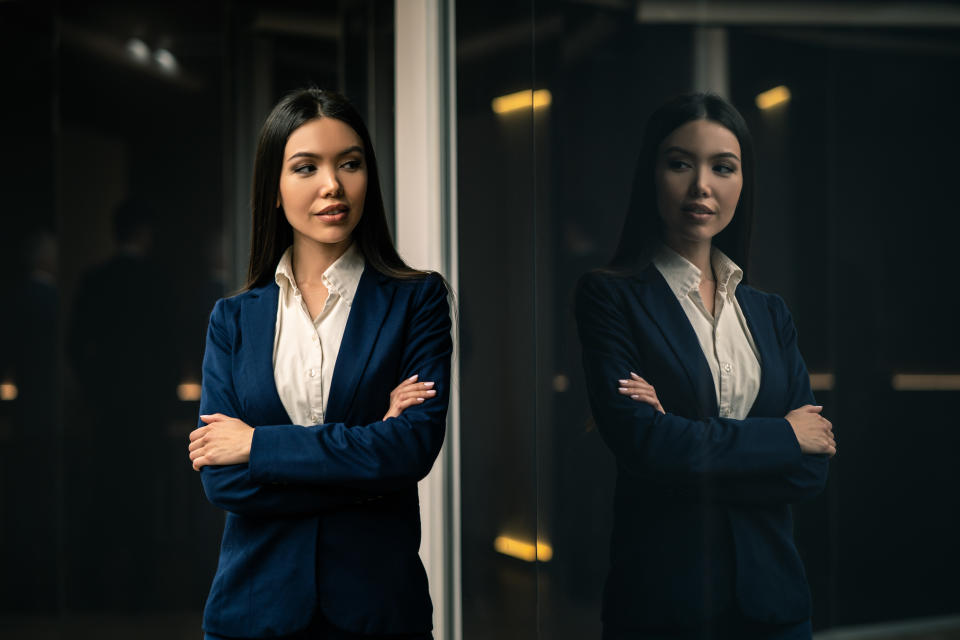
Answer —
925 382
527 99
8 391
526 551
822 381
773 97
188 391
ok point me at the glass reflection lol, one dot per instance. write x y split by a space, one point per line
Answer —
698 388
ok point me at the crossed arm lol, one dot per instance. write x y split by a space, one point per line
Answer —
280 470
226 440
757 460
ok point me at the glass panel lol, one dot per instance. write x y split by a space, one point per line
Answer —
851 227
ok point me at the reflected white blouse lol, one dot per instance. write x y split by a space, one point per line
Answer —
305 349
724 337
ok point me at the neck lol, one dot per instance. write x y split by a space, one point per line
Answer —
698 253
311 259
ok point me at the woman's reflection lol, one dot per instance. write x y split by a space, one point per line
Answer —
698 388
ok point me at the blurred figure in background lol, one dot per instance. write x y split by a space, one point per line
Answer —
122 348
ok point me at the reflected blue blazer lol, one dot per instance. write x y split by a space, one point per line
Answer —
702 522
327 515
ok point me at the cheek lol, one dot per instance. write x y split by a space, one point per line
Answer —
731 195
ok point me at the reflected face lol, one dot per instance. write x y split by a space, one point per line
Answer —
699 178
323 182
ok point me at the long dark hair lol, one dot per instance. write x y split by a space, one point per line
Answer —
643 228
272 234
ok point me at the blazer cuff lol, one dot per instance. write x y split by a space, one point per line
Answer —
272 451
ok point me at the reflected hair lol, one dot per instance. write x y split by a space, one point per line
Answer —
643 228
271 233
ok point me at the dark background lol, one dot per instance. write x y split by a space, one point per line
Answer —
104 529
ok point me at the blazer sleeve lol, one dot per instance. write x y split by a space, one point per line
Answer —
673 451
800 482
231 487
383 455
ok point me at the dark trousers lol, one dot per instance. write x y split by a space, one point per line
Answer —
320 629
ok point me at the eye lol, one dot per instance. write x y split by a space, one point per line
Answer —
724 169
675 164
305 169
352 165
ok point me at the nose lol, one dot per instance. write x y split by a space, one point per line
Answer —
699 184
329 184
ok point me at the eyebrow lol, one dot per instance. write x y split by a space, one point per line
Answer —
724 154
310 154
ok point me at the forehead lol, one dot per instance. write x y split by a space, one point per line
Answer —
322 136
702 137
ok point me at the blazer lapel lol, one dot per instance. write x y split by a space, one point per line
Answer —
258 328
665 310
367 314
757 315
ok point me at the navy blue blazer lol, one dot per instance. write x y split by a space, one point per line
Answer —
702 522
327 515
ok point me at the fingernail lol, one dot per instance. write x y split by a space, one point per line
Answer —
622 389
413 377
428 384
634 397
622 381
431 392
419 399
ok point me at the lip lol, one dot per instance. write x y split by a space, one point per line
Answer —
697 209
333 209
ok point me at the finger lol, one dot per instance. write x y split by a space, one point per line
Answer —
637 377
812 408
198 433
198 463
416 393
214 417
196 444
635 384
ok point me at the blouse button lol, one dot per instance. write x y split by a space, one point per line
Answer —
727 367
313 372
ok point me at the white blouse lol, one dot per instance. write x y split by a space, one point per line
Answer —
305 349
724 337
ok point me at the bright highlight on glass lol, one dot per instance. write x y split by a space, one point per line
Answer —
188 391
526 551
8 391
522 100
165 60
925 382
138 50
773 97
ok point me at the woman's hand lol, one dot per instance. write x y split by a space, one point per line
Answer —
640 390
224 440
408 393
813 431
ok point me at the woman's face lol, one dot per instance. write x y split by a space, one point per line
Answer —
323 181
699 178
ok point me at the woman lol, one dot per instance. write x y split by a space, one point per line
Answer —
307 440
698 388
